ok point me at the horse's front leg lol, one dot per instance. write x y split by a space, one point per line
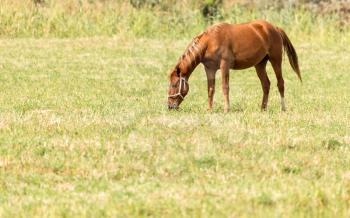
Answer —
211 86
225 69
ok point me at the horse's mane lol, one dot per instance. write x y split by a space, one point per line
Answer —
194 51
196 47
215 28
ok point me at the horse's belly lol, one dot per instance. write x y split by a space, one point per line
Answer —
246 60
249 48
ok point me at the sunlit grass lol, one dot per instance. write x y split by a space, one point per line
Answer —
84 131
170 19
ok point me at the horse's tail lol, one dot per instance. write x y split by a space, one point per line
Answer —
289 49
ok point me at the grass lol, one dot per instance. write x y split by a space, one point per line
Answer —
84 132
179 19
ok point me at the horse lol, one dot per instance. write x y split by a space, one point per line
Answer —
227 46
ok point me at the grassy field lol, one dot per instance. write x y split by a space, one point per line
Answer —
84 132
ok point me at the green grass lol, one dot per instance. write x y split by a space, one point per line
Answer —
84 132
169 19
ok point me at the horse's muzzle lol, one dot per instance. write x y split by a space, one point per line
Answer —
173 106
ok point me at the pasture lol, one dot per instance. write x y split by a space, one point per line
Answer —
84 132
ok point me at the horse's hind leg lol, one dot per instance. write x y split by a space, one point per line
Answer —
265 82
277 67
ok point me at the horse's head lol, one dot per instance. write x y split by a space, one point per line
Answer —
178 88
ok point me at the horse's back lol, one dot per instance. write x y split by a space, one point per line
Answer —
257 29
244 44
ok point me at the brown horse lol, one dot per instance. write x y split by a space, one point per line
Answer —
225 46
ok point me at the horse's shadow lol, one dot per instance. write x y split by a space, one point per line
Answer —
235 108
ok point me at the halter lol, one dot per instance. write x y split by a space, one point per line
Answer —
182 81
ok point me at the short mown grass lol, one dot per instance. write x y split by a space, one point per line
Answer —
84 132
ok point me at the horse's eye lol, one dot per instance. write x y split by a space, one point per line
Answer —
173 85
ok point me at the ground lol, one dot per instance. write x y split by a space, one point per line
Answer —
84 132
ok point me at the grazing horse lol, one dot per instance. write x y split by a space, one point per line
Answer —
233 46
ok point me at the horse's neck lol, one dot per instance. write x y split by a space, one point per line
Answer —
193 57
190 67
